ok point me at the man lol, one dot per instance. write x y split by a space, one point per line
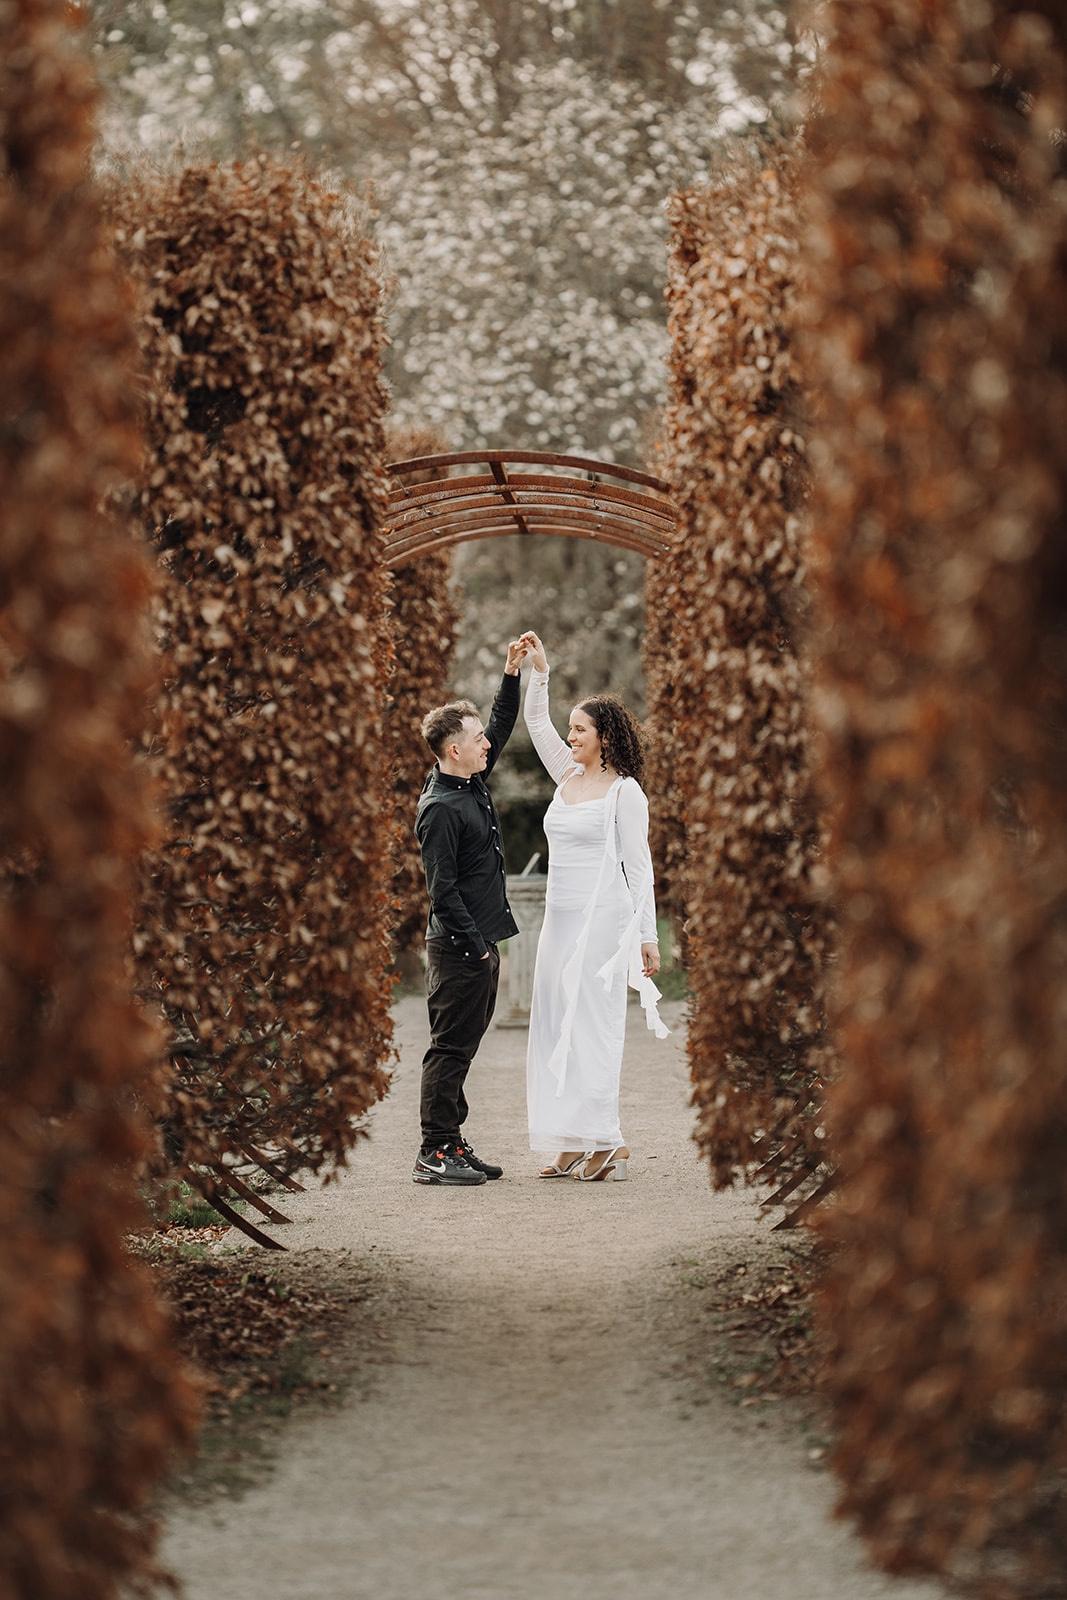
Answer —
463 858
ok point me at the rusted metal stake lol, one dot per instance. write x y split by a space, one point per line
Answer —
808 1171
808 1205
271 1169
246 1192
236 1220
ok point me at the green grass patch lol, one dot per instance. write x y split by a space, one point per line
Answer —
189 1209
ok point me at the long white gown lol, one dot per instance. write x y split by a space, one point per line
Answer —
599 908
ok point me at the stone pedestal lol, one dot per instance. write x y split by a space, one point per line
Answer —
526 896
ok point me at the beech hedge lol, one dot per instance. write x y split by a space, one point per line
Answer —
937 245
423 622
743 837
265 910
92 1398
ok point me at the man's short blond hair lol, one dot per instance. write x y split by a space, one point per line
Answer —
444 723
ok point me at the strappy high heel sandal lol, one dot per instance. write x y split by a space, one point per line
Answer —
556 1171
613 1167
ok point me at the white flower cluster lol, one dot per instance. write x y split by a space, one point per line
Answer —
526 265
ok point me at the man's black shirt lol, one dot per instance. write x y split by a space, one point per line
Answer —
462 852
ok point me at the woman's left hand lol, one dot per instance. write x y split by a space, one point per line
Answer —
650 959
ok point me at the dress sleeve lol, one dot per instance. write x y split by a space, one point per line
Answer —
632 822
555 755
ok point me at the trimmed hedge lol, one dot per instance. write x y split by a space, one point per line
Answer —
729 701
91 1398
423 623
264 930
667 811
937 239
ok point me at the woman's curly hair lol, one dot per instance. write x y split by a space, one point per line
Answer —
622 743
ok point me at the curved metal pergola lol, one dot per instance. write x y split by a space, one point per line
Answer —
572 497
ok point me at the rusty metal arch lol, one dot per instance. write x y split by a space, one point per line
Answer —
572 497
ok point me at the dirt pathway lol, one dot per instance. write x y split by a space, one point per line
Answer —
529 1425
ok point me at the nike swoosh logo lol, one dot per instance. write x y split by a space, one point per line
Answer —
428 1166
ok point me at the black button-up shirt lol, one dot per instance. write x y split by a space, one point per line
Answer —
462 852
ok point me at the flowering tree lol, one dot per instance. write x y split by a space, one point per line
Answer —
521 157
527 263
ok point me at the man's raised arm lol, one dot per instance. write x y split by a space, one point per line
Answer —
505 712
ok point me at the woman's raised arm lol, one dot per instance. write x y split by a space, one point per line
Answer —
554 753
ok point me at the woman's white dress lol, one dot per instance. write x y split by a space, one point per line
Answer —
599 909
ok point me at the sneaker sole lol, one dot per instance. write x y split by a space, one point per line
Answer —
448 1183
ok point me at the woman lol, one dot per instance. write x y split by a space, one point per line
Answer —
599 931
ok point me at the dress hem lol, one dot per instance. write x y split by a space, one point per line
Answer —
556 1146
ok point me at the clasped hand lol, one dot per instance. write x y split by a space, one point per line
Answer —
518 650
536 651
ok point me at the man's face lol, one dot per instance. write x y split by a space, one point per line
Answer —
470 749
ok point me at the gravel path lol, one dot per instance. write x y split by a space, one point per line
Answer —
530 1421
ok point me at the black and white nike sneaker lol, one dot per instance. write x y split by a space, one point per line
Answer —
445 1164
490 1168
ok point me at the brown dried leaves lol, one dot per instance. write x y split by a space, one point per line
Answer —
728 695
264 931
82 1341
936 316
423 622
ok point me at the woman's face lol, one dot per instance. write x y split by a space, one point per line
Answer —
582 738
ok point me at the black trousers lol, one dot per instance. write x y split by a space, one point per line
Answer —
460 995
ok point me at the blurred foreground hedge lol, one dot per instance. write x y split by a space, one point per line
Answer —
92 1399
937 313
